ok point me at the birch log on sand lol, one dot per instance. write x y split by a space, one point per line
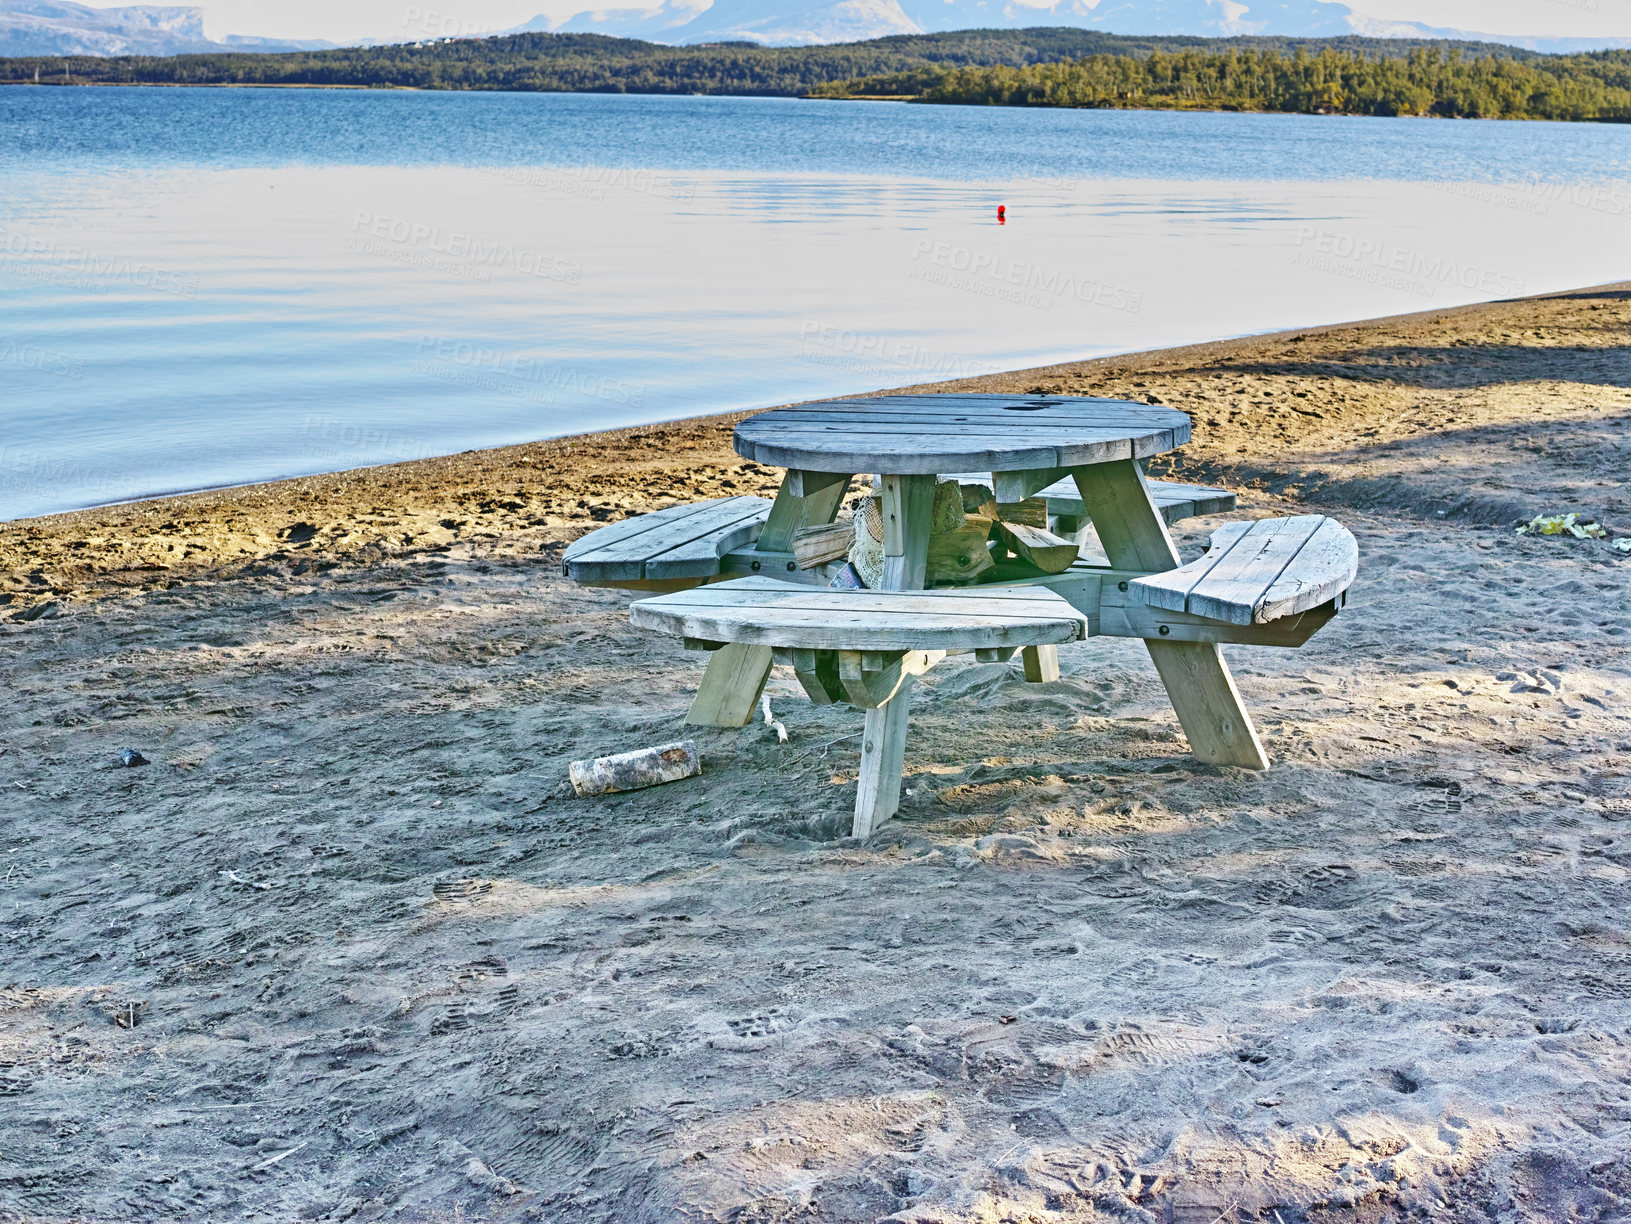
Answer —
635 770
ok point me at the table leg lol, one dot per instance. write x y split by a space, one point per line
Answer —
908 507
883 756
1041 664
730 688
736 674
908 503
1117 499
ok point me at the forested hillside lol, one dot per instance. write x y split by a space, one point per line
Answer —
1425 81
596 63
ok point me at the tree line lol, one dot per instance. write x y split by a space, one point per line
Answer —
1424 81
1057 66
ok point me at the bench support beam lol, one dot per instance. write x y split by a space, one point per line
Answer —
817 672
870 687
802 501
1017 486
1117 498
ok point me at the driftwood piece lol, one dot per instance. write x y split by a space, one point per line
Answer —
961 555
1032 512
813 546
1040 547
978 499
635 770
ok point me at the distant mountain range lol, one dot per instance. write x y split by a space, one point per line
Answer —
800 22
59 27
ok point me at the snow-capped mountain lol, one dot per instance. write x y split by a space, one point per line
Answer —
58 27
797 22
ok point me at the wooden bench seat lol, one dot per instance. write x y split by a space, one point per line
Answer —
768 612
690 544
1254 573
862 646
1174 500
680 543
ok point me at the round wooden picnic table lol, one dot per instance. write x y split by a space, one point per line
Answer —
1027 442
930 435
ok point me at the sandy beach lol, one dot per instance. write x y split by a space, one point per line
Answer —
348 949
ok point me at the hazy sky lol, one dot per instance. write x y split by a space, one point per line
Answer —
342 20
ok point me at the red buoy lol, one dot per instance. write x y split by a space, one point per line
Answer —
1002 214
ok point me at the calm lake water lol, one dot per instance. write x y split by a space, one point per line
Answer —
207 287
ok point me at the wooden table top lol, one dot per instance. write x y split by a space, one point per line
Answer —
918 435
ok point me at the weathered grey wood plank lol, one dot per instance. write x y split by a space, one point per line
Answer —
1041 548
817 672
811 618
1196 678
815 631
869 688
883 759
1134 620
701 558
987 407
839 419
918 435
1233 589
1209 708
621 550
933 436
1257 572
883 738
1041 664
801 483
1175 501
1116 496
796 508
1016 486
957 404
813 546
759 593
731 684
1322 569
1171 589
919 459
677 524
908 504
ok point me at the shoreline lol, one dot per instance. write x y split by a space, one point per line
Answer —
1001 380
1197 350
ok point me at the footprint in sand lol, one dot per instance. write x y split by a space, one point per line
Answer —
454 1020
762 1025
461 892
